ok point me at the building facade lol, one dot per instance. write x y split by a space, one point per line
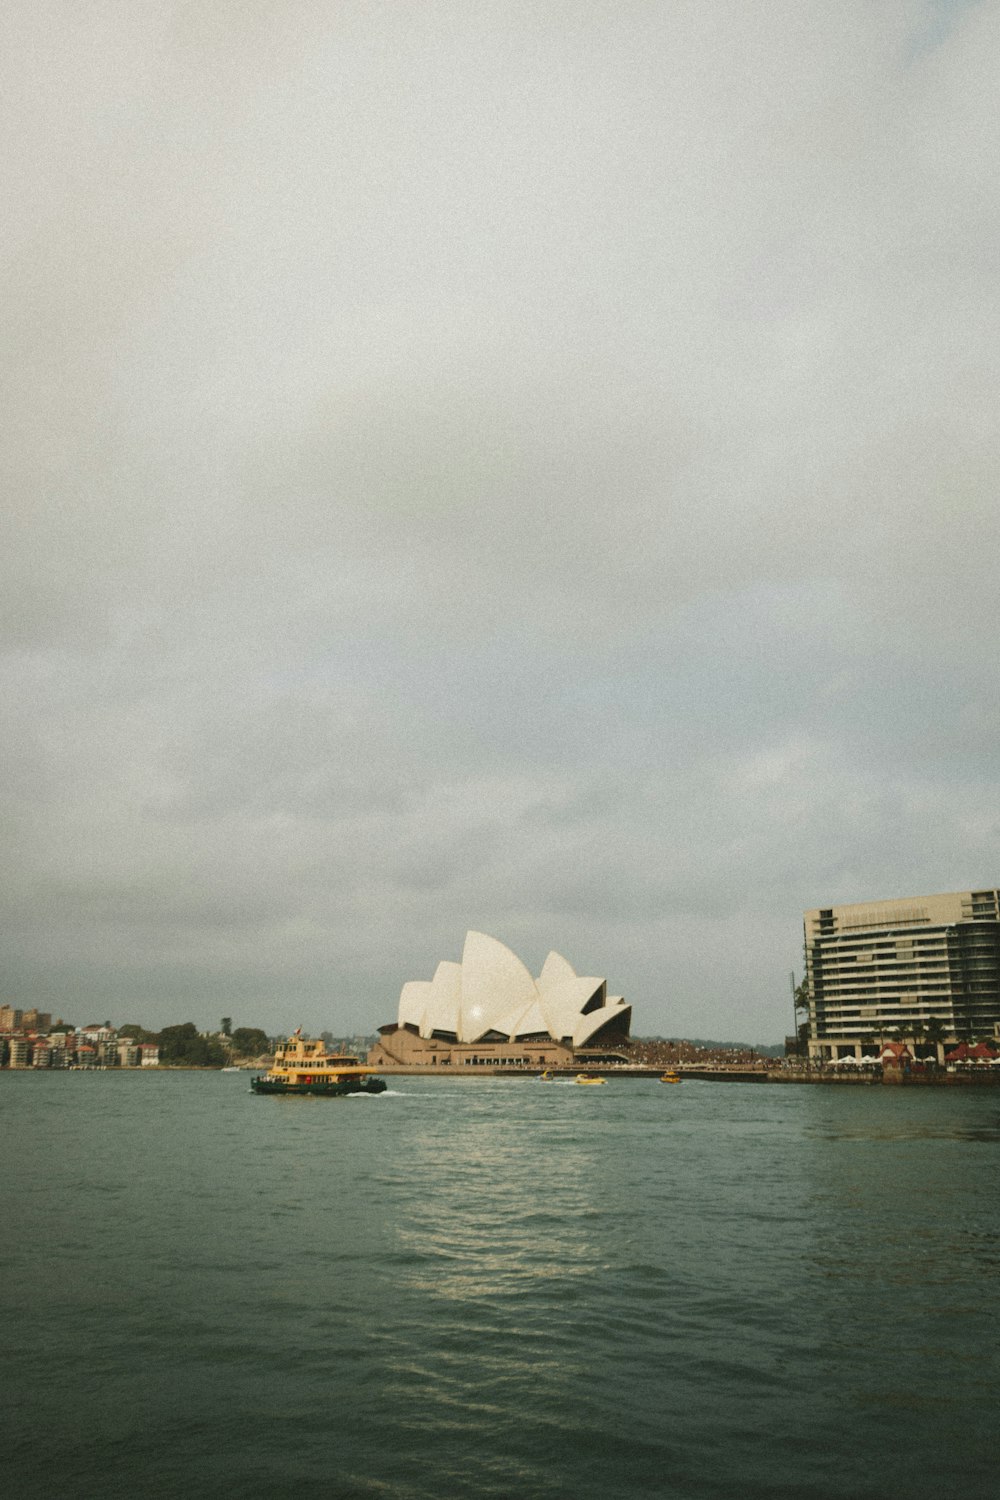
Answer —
18 1052
66 1047
926 968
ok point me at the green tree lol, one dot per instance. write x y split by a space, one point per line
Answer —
185 1045
800 1000
176 1042
136 1032
226 1026
250 1041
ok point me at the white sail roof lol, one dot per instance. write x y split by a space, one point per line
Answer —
413 1003
491 990
496 987
588 1025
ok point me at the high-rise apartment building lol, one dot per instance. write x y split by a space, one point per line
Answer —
18 1055
924 967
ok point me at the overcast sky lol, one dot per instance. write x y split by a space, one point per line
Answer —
522 466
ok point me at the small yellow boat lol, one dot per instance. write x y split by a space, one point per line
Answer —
670 1076
588 1078
547 1077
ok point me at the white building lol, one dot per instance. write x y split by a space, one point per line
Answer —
488 1010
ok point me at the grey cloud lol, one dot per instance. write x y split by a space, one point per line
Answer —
531 469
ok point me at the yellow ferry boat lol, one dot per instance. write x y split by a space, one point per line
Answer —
670 1076
588 1078
302 1066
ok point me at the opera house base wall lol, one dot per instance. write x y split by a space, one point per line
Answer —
401 1047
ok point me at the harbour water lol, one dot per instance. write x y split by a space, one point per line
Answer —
498 1288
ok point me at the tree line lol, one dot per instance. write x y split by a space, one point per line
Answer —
184 1044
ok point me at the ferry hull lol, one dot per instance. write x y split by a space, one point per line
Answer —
323 1089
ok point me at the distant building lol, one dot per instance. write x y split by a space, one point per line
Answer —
96 1033
896 1055
149 1055
10 1019
18 1052
128 1054
41 1055
488 1011
925 969
36 1020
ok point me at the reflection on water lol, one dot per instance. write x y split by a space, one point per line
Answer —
496 1289
512 1216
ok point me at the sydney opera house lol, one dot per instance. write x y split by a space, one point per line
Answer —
488 1012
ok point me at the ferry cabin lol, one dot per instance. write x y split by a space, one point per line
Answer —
301 1061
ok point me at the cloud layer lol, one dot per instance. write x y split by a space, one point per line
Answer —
529 467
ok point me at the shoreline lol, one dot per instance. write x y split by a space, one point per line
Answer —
702 1074
717 1074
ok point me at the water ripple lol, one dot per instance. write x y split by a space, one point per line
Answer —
489 1291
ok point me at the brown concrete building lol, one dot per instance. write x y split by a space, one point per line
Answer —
925 969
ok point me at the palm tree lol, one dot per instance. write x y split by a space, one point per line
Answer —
800 1000
935 1033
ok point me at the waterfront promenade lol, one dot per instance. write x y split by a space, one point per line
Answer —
776 1072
